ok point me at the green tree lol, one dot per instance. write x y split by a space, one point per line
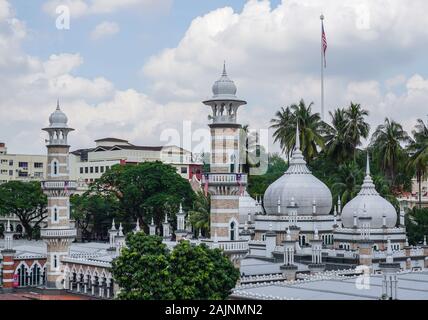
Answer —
142 270
146 270
93 213
145 190
310 125
419 154
201 273
200 214
339 145
257 184
347 181
387 141
417 225
356 126
25 200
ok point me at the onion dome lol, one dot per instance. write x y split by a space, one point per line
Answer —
298 186
224 88
58 119
369 202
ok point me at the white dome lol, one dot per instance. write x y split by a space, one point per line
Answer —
368 202
298 185
58 118
247 205
224 87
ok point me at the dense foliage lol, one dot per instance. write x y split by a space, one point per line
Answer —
147 270
417 225
142 191
333 152
27 201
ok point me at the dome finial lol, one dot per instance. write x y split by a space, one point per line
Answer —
368 164
57 104
224 69
297 136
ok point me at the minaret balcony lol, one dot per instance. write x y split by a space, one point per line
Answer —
59 185
58 233
222 179
224 119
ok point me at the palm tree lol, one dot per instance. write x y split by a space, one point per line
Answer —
356 127
338 144
310 125
419 157
199 216
347 181
386 141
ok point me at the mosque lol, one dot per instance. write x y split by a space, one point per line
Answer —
295 243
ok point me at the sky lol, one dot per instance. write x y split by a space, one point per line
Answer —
139 69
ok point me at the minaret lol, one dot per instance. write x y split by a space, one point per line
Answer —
119 240
152 228
58 234
8 254
225 182
289 269
389 269
181 232
166 229
112 235
137 227
316 246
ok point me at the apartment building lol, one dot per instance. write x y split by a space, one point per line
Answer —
87 165
23 167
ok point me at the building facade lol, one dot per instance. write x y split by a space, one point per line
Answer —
22 167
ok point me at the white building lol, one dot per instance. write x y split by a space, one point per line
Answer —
87 165
22 167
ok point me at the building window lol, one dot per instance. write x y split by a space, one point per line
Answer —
23 164
10 162
55 168
38 165
3 161
264 237
102 169
86 170
91 170
232 231
81 170
183 170
22 174
4 172
55 215
96 169
55 262
11 172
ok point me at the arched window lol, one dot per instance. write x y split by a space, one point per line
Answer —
302 240
35 275
55 261
22 276
54 168
232 231
55 216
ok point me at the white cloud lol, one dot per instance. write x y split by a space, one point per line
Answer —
105 29
79 8
272 54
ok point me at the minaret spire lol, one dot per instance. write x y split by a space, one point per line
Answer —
57 104
297 147
368 164
224 69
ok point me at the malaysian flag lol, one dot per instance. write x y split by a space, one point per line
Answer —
324 44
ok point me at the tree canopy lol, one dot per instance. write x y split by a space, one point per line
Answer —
143 191
27 201
147 270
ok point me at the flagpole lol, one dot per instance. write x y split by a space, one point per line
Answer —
322 72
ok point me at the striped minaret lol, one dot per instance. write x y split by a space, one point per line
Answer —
58 234
225 182
8 254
